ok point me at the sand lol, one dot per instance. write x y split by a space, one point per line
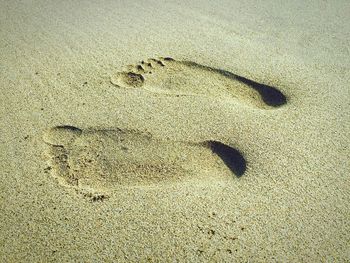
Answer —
163 131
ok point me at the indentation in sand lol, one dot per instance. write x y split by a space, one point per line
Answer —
186 78
104 159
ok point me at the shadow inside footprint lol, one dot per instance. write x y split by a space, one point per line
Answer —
98 160
270 95
187 78
230 156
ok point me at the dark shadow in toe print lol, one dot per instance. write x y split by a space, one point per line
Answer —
231 157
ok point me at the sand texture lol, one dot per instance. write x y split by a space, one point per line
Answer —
174 131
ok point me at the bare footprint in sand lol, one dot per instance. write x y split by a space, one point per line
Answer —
186 78
99 160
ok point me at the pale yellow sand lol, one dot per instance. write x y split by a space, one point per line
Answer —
131 175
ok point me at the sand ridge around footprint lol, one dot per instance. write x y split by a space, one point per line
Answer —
185 78
106 159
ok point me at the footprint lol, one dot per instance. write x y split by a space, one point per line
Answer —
186 78
99 160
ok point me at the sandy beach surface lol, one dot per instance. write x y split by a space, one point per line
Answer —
174 131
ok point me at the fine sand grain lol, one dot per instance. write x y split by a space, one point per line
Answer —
174 131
